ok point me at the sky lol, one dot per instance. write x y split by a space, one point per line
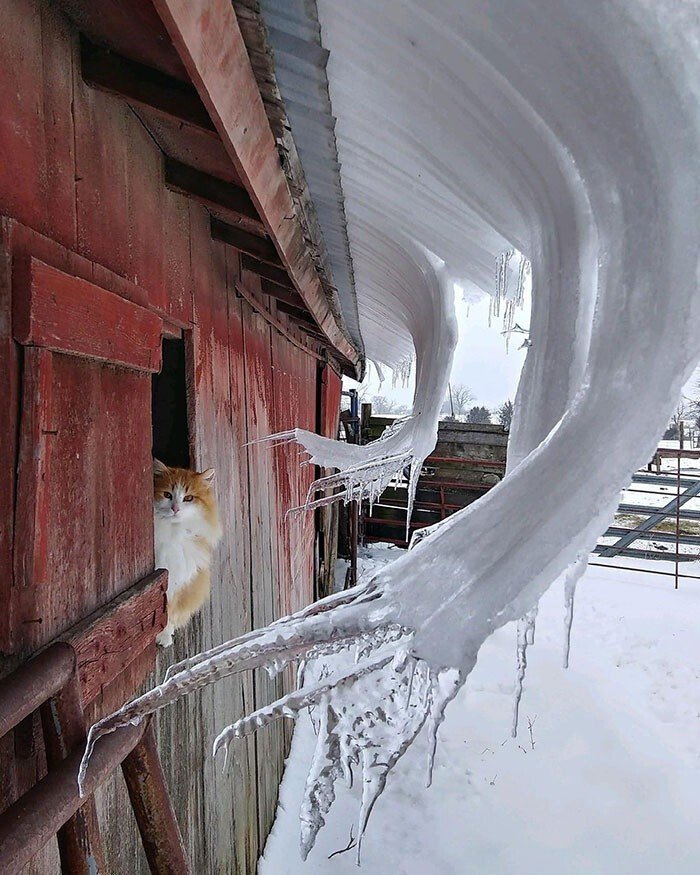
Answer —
481 361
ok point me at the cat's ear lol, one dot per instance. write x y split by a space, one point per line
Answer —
159 467
208 475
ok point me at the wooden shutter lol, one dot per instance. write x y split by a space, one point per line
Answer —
83 520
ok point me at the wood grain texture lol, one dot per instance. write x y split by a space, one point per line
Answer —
9 392
63 313
210 44
111 638
37 434
85 432
264 528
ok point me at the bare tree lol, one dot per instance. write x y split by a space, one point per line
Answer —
381 404
462 396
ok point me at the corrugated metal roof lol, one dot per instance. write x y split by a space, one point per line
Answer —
300 68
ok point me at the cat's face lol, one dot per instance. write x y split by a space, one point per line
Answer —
182 496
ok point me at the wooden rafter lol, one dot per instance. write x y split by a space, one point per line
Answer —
274 274
259 248
142 85
281 294
213 192
209 42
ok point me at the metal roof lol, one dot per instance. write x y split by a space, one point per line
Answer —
300 68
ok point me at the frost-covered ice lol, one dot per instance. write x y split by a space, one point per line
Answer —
570 132
612 785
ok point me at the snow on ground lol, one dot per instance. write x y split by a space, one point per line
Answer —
608 782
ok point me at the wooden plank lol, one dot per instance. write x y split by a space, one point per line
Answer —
113 636
142 85
9 392
145 200
264 526
256 304
57 55
279 293
211 47
257 247
32 511
240 612
78 542
130 27
22 146
63 313
212 192
267 271
101 160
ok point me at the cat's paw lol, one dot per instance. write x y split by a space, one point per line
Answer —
165 638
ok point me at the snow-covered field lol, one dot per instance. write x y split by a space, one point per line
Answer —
607 781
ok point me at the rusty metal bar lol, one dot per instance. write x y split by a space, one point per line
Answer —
645 570
479 463
33 820
678 512
29 686
63 723
354 521
148 791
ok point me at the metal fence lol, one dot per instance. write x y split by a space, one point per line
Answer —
647 527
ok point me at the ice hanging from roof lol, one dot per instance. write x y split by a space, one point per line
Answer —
607 207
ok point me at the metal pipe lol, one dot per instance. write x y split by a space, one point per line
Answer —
29 686
63 722
148 791
33 820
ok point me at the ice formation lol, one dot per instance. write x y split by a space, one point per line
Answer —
569 132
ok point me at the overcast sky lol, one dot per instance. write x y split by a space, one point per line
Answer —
481 361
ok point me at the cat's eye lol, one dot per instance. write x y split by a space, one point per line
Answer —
188 498
167 495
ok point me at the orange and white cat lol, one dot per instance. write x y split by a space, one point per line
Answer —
186 526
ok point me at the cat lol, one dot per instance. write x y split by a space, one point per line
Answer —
186 528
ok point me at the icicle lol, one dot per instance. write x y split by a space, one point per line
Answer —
570 582
525 636
319 792
443 689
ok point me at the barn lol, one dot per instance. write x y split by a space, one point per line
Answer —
165 289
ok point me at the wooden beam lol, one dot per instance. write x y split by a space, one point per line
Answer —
63 313
213 192
279 293
279 326
297 312
209 42
274 274
142 85
259 248
109 640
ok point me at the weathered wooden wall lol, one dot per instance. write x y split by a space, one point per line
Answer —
81 190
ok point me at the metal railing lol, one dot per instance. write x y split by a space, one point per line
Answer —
655 528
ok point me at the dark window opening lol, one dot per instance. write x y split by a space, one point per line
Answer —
171 442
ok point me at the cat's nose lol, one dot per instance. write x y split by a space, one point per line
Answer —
176 508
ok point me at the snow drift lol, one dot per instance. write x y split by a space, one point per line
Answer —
569 131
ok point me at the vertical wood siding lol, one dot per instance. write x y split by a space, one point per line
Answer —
81 190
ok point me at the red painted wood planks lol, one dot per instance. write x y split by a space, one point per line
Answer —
36 439
83 525
210 44
63 313
9 392
114 636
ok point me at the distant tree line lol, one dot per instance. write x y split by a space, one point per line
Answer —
458 405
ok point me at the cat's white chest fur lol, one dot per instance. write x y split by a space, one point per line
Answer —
179 550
